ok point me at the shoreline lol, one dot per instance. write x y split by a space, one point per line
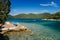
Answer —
8 26
51 19
36 19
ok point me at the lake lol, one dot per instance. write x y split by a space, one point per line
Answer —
42 29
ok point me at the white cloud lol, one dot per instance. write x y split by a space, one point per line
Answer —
15 11
51 4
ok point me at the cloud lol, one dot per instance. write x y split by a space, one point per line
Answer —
15 11
51 4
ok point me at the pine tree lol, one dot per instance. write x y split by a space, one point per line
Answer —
4 10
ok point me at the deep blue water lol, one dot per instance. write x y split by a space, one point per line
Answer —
42 28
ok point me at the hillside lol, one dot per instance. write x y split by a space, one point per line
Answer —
40 15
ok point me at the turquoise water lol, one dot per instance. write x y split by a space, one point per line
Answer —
42 30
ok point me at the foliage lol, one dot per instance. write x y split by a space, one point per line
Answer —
4 10
39 16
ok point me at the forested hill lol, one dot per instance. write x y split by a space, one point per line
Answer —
40 15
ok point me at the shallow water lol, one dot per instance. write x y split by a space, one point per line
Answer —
42 30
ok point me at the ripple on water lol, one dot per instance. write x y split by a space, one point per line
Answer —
40 32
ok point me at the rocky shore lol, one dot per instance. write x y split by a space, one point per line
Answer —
9 27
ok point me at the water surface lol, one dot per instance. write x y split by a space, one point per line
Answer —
42 29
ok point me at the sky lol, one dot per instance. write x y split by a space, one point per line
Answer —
34 6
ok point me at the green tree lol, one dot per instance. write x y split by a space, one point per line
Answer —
57 15
4 10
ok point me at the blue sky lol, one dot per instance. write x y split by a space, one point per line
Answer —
34 6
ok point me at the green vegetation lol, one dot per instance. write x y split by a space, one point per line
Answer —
4 10
40 15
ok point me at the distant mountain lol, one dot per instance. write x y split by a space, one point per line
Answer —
40 16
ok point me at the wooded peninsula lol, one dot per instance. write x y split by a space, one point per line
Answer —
39 16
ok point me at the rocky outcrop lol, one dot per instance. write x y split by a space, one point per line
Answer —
10 27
